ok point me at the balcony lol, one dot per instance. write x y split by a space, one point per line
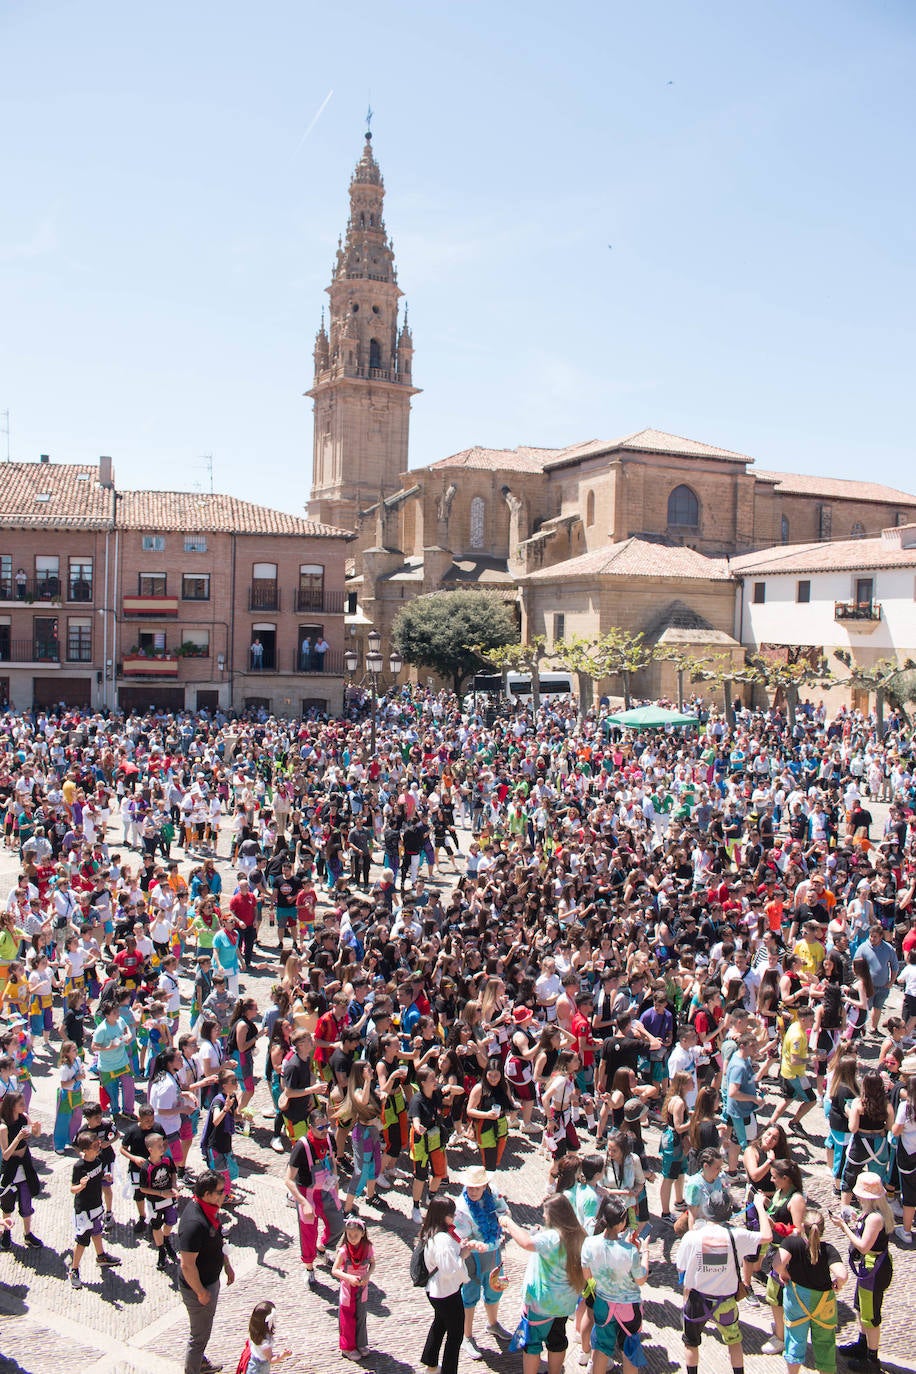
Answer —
319 600
860 617
149 605
150 665
29 651
263 595
31 589
332 665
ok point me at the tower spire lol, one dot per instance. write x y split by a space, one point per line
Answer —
363 363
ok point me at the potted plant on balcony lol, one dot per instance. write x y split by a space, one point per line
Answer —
191 650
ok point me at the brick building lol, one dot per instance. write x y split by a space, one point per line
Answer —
181 600
628 532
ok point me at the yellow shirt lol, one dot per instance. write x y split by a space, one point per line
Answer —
811 953
794 1046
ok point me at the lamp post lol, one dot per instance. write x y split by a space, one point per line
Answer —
374 663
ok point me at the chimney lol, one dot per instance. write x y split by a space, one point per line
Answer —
44 458
106 473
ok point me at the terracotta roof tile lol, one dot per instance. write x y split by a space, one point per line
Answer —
657 441
74 497
637 558
841 556
840 488
520 459
194 510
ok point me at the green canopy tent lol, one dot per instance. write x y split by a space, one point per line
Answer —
650 718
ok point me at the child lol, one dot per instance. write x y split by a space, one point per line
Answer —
133 1149
69 1116
258 1355
353 1266
618 1270
216 1142
87 1183
584 1194
159 1184
102 1129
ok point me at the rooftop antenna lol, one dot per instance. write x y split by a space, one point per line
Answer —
206 462
5 429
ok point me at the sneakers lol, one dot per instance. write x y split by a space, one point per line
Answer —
33 1242
384 1182
752 1300
75 1280
802 1130
351 1354
6 1240
107 1221
162 1263
169 1249
139 1226
106 1261
277 1145
771 1347
415 1216
208 1367
469 1349
905 1237
500 1333
310 1278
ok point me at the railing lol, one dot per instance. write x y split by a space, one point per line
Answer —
263 596
29 651
331 664
31 589
857 610
375 374
320 600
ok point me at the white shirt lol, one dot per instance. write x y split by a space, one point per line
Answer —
443 1254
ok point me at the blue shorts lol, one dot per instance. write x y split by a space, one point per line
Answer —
479 1281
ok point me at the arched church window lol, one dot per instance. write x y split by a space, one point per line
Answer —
784 529
375 353
590 508
683 508
478 512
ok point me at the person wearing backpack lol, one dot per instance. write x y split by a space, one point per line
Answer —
443 1253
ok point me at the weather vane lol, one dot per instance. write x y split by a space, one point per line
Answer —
369 122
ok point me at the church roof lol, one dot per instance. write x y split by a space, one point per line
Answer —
838 488
521 459
526 458
637 558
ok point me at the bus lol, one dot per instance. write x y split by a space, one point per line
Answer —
518 685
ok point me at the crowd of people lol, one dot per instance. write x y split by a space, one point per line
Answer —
648 957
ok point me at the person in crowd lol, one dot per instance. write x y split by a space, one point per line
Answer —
445 1255
554 1281
202 1262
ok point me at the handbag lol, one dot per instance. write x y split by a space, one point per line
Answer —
742 1290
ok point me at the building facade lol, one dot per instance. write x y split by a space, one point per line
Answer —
178 600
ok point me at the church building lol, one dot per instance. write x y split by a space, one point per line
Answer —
634 532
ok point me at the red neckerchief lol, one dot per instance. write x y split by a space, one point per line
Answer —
358 1254
210 1211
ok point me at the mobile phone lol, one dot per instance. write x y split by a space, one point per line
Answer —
642 1233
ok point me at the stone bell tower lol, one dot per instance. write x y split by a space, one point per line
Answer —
363 365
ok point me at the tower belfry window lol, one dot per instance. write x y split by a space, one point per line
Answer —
375 353
478 510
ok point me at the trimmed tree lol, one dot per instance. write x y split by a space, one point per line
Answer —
518 658
448 631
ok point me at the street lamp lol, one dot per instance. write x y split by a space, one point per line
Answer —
374 664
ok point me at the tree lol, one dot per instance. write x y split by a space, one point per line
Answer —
621 654
580 656
799 668
440 632
885 678
518 658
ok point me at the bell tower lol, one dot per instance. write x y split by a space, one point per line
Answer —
363 365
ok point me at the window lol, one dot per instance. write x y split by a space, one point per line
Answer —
590 508
824 522
803 591
79 640
195 586
47 576
6 577
263 595
865 590
79 580
351 603
760 593
195 543
195 643
152 642
858 530
153 543
478 511
151 584
784 529
559 627
311 587
683 508
375 353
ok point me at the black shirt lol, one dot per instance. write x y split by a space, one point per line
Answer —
296 1074
286 890
90 1199
105 1132
134 1142
802 1271
341 1061
196 1236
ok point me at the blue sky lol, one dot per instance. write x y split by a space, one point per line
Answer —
606 216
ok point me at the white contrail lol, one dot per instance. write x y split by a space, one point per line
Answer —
314 120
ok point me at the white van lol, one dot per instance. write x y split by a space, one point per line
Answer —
519 685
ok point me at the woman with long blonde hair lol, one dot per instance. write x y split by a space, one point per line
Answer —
871 1263
675 1125
811 1272
553 1281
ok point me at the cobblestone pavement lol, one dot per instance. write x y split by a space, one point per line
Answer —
132 1321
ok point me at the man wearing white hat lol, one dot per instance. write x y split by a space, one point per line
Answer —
477 1212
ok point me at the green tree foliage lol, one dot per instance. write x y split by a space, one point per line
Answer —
518 658
449 631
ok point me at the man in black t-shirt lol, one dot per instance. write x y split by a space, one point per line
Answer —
286 887
200 1245
301 1092
86 1184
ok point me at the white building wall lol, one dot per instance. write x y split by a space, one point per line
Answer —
781 619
